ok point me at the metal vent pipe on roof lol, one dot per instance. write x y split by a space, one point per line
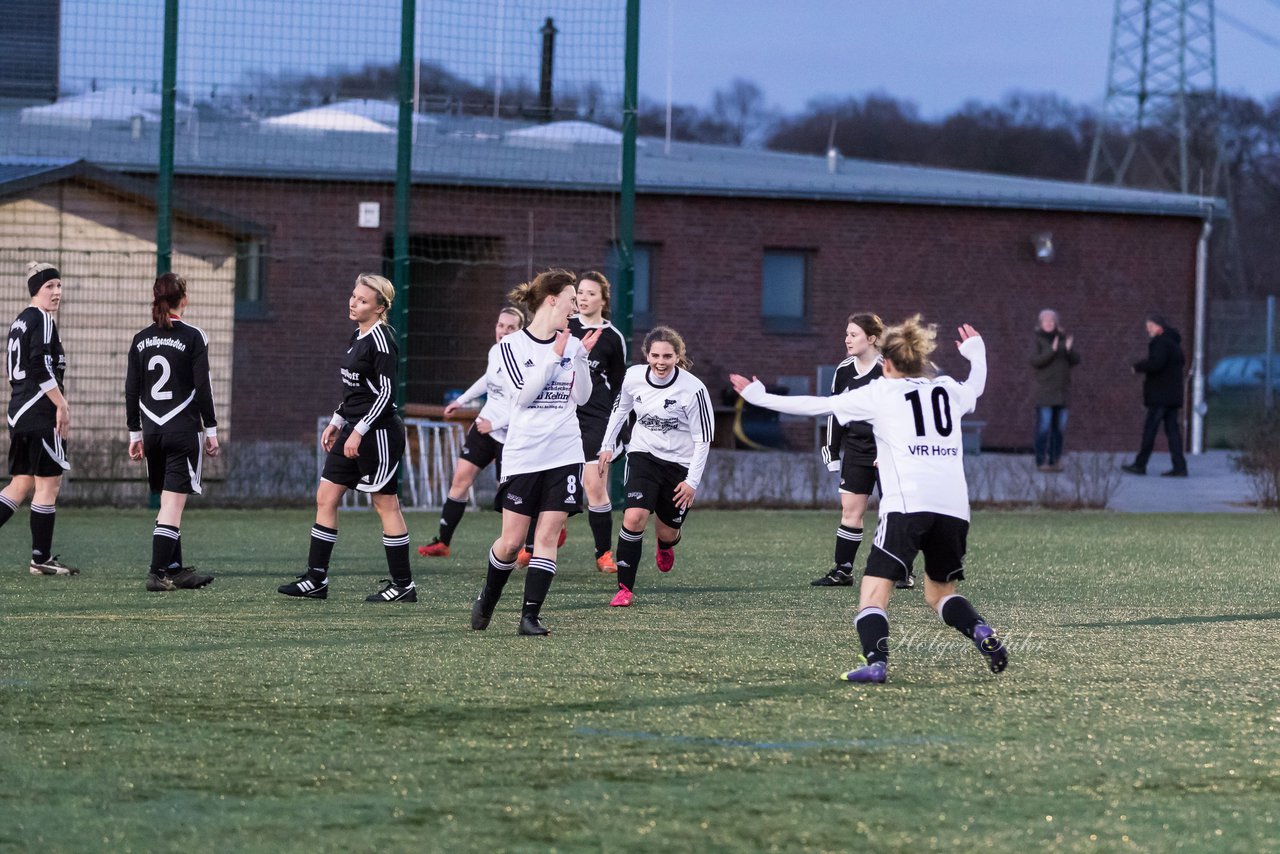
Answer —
548 55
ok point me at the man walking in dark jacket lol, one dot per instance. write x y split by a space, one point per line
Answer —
1162 395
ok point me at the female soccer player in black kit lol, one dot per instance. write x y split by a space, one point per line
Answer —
547 378
39 419
851 448
169 406
608 365
365 441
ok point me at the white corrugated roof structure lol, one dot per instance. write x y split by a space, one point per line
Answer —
109 105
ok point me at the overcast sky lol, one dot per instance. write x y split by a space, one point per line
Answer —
935 53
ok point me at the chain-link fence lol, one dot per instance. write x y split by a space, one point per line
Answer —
285 156
1240 385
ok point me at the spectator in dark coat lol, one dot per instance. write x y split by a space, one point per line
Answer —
1053 358
1162 395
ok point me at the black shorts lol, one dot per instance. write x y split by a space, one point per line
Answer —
377 468
480 449
557 490
858 478
37 453
901 536
173 462
593 428
651 485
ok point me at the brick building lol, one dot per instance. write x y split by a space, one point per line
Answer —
756 257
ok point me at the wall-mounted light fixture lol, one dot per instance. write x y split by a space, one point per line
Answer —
1042 244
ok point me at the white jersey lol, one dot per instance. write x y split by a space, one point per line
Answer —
545 391
497 405
674 421
917 428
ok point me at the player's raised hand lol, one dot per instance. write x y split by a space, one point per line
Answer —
739 382
966 332
589 340
562 339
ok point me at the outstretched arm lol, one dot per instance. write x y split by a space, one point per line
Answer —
753 392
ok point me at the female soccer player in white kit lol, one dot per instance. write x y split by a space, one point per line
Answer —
547 378
483 443
669 446
925 499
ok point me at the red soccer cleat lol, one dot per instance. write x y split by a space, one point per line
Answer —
435 548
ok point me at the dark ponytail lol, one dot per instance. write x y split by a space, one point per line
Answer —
167 294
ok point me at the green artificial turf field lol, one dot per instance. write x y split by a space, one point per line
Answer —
1139 712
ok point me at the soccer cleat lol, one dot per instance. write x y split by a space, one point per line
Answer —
435 548
622 599
874 673
837 577
1134 468
307 586
479 616
523 558
606 563
52 566
394 593
564 535
906 583
186 578
529 625
665 558
990 645
159 582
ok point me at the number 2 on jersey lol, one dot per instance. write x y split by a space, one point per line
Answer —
157 390
941 411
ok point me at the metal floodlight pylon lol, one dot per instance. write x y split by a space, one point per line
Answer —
1163 55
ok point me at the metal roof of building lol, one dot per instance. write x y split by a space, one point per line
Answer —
14 170
464 151
18 174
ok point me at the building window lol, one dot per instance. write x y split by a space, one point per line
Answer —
642 296
784 283
642 292
250 265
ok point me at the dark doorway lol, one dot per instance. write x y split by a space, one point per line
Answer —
456 287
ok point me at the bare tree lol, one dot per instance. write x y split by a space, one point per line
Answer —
741 107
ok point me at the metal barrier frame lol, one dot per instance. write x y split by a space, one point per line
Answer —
427 473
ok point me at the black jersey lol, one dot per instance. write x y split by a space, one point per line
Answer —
369 378
36 366
853 441
166 387
608 361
